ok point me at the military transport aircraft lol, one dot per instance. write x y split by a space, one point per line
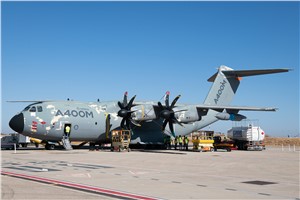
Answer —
65 121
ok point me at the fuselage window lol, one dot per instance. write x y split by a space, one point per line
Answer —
32 109
40 109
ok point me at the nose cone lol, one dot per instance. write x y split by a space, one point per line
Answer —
17 123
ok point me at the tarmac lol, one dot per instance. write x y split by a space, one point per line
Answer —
150 174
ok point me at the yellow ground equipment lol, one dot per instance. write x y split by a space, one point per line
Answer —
35 141
221 142
203 141
120 140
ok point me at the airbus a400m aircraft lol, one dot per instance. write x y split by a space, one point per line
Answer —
93 121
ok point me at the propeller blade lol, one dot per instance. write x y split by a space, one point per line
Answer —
120 105
127 123
164 125
167 99
134 122
171 127
123 123
130 102
174 101
160 106
177 122
125 99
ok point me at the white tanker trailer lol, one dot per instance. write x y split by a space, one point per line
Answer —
247 137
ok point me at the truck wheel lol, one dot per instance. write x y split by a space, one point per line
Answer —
24 145
228 149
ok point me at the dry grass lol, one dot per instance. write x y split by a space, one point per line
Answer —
272 141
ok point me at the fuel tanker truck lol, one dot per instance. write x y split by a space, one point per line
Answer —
247 137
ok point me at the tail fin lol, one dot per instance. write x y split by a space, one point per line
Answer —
226 82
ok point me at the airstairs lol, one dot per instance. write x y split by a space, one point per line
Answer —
66 143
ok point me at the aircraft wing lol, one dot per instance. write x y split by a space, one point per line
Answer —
29 101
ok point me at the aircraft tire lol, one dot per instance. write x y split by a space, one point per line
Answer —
50 146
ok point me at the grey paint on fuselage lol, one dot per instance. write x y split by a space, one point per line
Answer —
88 122
47 120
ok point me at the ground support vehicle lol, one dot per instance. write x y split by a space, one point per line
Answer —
223 143
247 137
14 139
36 142
203 141
120 140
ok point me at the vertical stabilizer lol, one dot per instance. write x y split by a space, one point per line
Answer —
223 88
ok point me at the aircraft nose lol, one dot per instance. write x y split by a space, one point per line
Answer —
17 123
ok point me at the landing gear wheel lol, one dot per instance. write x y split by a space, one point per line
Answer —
50 146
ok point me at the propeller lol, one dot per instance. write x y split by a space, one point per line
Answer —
125 112
168 114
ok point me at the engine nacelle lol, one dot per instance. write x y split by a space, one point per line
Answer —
143 113
190 115
232 117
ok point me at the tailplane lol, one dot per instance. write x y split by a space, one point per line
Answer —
226 82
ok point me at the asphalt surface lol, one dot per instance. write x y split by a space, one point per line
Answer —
150 174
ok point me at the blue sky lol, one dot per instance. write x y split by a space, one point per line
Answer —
90 50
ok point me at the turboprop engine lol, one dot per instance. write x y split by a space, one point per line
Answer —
188 115
144 113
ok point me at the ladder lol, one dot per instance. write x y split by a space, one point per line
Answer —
66 143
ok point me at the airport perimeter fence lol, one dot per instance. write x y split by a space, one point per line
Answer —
282 147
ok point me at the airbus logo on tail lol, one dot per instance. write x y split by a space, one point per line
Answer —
220 91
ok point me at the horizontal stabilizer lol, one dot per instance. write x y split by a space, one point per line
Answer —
234 109
242 73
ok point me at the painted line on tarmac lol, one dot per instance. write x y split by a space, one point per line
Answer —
87 188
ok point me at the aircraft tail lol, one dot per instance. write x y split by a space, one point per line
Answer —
226 82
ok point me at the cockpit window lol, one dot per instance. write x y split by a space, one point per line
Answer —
32 109
40 109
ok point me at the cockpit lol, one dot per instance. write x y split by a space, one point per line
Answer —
33 108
